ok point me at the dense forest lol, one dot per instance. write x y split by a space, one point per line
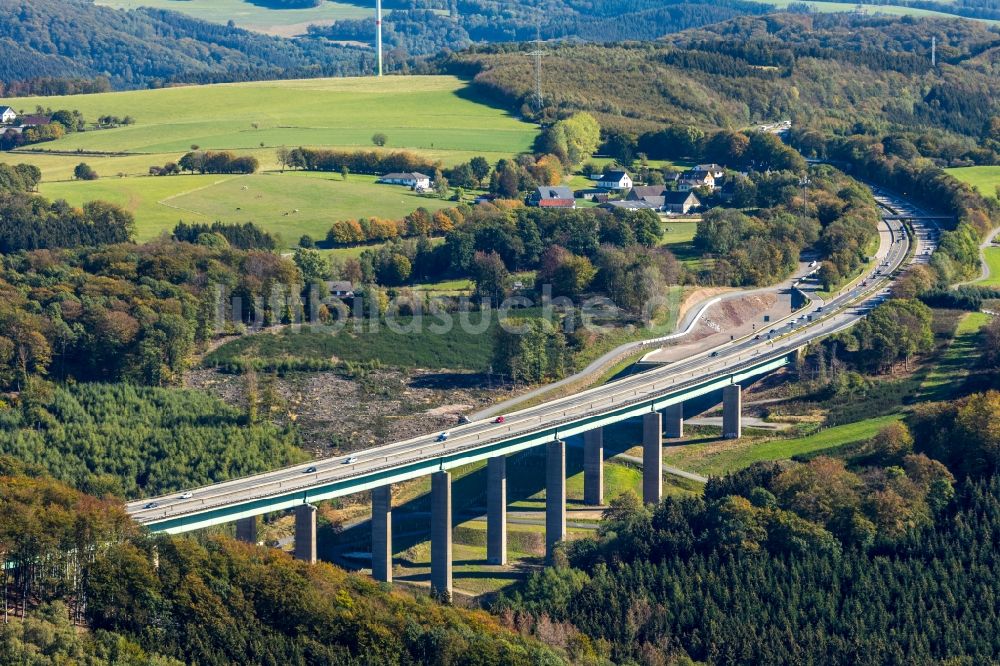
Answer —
785 563
131 312
77 42
422 27
47 53
833 73
78 558
133 442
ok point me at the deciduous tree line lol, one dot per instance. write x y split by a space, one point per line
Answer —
77 557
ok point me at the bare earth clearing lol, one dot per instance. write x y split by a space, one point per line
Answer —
336 415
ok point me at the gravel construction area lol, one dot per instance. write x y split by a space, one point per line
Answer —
734 317
336 414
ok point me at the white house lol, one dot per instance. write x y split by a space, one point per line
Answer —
414 180
716 170
7 115
615 180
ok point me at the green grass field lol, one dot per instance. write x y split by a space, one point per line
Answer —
676 232
432 115
416 112
984 178
283 22
893 10
413 344
957 361
993 261
720 457
268 199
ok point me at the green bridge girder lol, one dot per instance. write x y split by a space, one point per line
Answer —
457 457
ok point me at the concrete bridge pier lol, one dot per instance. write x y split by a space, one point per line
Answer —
246 530
673 415
305 533
496 510
593 467
555 495
652 458
382 534
441 535
732 412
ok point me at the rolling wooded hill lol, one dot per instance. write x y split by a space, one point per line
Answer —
149 47
833 72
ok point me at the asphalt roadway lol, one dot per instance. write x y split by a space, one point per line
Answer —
815 321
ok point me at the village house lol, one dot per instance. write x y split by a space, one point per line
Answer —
552 196
680 203
628 205
595 194
652 194
716 170
413 180
341 289
690 180
615 180
7 115
35 120
662 199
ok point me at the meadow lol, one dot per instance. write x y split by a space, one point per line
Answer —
986 179
288 205
409 345
281 22
719 457
993 261
892 10
432 115
945 378
415 112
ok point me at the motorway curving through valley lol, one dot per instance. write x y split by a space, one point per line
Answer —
811 322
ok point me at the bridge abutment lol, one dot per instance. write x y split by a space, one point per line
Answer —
673 416
441 535
382 534
593 467
732 412
555 495
305 533
652 458
496 510
246 530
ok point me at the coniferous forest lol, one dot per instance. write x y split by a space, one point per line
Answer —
739 577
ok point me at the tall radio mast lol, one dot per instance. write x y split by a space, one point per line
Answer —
378 34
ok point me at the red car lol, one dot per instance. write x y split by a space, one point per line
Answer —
499 419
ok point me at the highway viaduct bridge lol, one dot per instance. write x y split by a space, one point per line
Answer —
660 406
656 396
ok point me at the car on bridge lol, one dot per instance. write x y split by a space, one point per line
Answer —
350 460
186 495
443 436
310 469
499 419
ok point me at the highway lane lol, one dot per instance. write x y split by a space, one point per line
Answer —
833 316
